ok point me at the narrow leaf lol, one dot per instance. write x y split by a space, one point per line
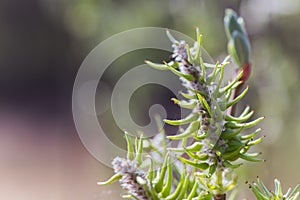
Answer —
205 104
202 166
265 189
185 104
168 185
229 133
278 190
175 194
199 43
250 158
228 164
111 180
180 74
172 39
245 125
231 84
130 146
183 191
159 184
240 118
193 191
139 152
191 117
238 98
156 65
196 146
192 128
255 142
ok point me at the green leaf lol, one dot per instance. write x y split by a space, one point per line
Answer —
202 156
202 93
129 196
259 195
156 65
212 169
212 76
205 104
240 118
188 96
172 39
232 83
139 152
111 180
209 65
190 118
160 181
176 193
220 81
130 146
229 133
199 43
229 165
250 157
188 50
245 111
168 185
185 104
295 191
179 150
180 74
196 146
193 191
278 190
265 189
233 154
192 128
244 125
203 70
183 191
151 172
233 195
205 195
238 98
255 142
202 165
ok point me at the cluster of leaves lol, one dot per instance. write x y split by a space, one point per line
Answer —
209 144
211 139
215 134
261 192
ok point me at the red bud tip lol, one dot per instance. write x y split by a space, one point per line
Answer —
246 72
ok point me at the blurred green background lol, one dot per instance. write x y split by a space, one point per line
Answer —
43 42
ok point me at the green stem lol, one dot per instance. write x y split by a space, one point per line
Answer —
221 195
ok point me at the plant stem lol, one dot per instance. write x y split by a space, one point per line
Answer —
235 93
220 197
246 73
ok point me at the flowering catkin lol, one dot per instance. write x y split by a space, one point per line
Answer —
181 56
130 173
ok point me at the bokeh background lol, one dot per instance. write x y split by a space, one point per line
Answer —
42 44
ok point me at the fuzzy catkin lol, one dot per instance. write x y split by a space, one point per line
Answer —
129 171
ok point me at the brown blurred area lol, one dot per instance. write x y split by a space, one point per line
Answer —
41 156
42 44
